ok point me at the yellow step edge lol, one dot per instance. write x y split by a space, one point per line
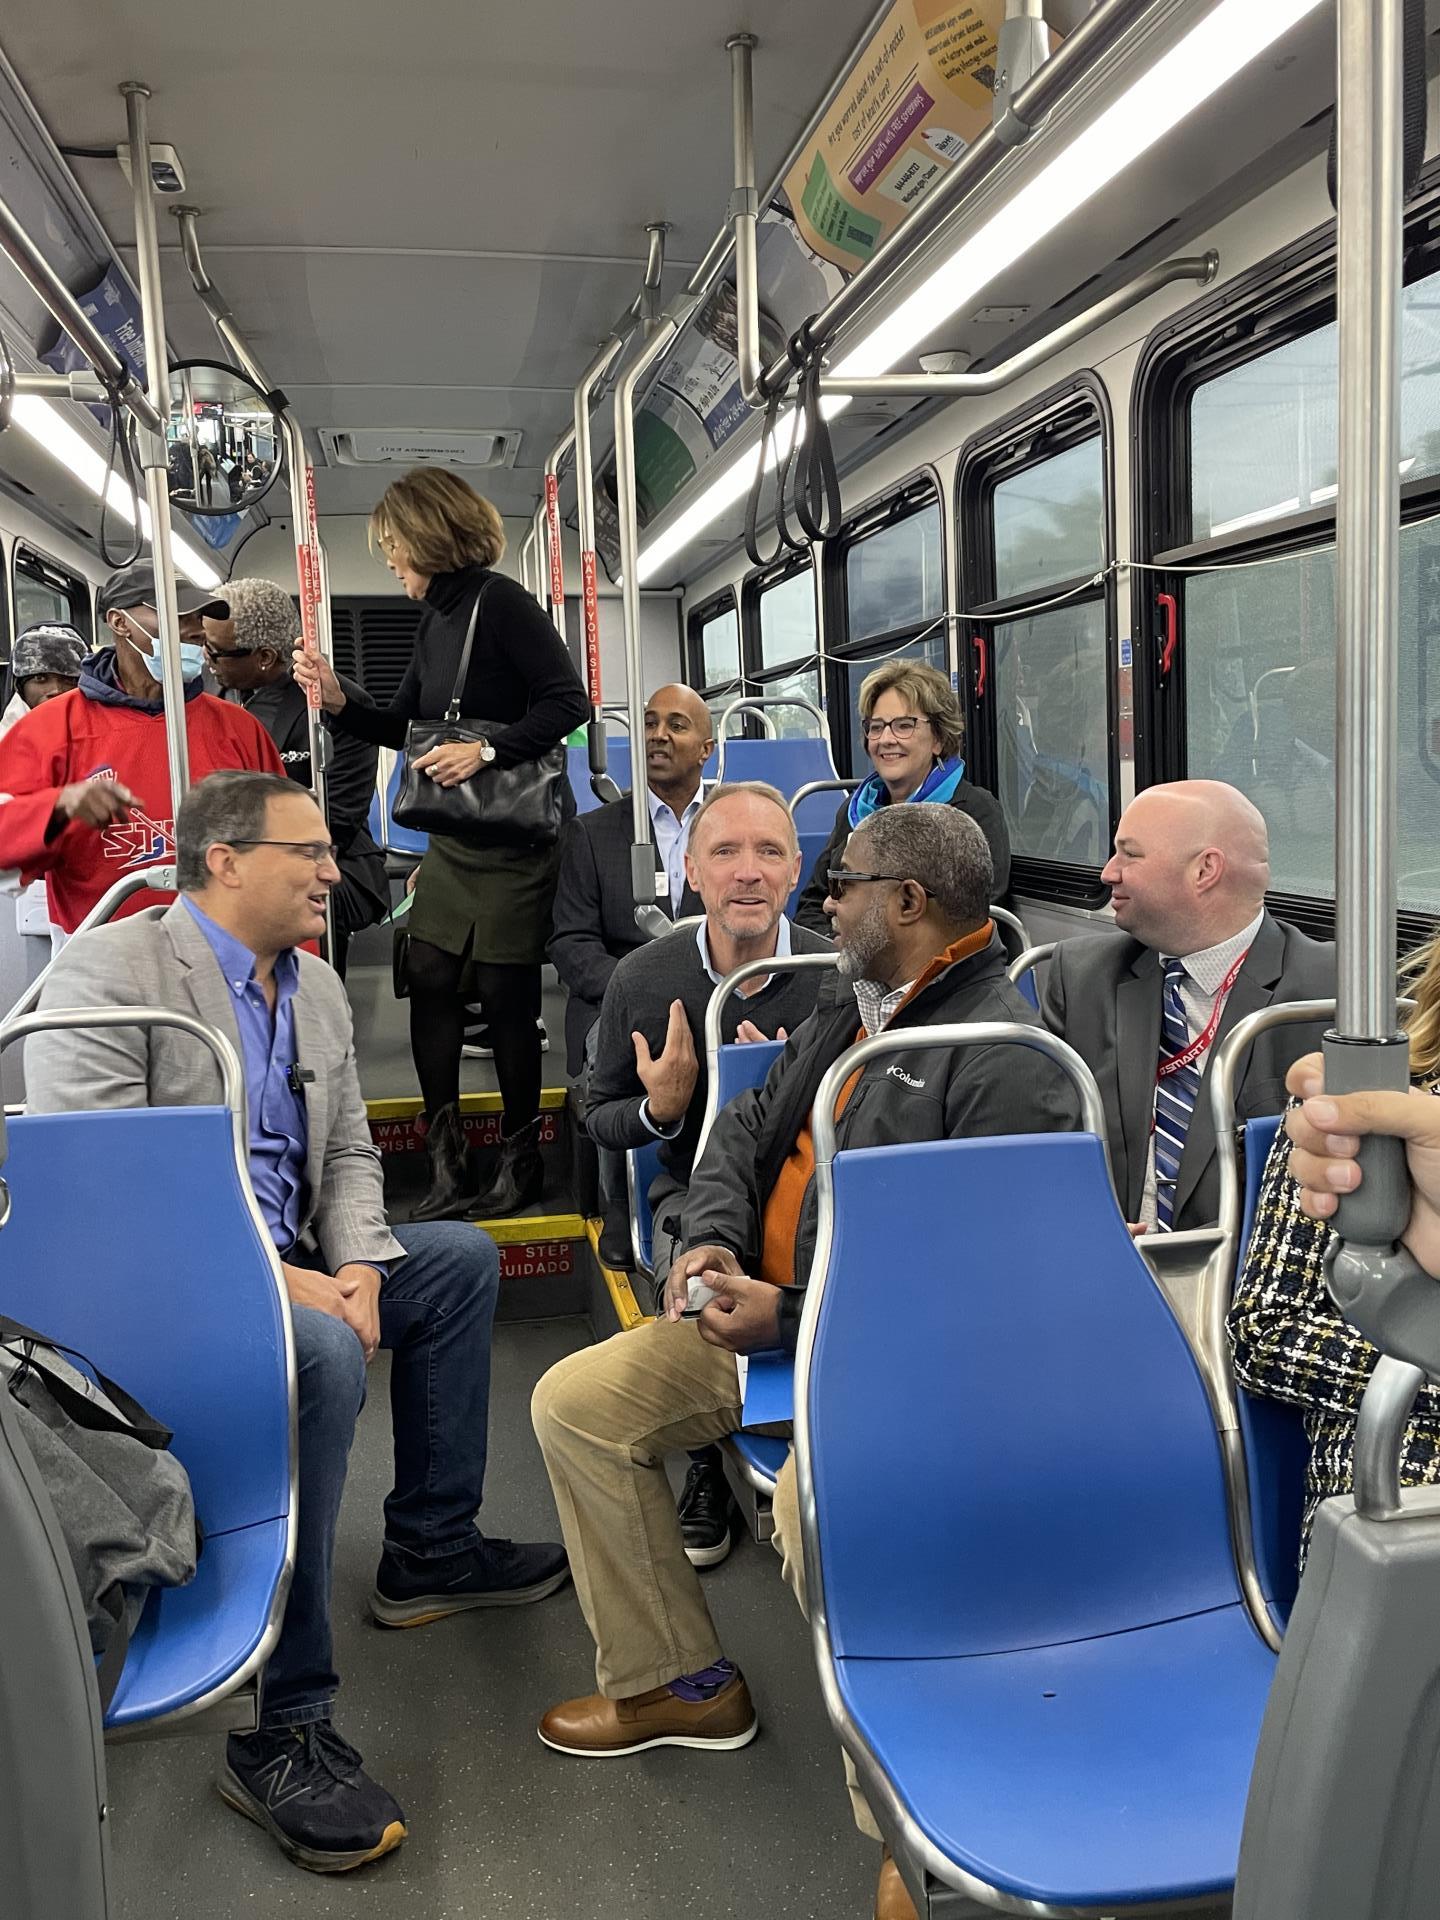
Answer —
409 1106
622 1298
512 1232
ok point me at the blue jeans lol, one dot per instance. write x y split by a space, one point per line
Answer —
436 1308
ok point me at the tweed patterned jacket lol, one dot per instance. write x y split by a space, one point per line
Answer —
1290 1343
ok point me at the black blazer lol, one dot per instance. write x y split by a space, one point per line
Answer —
594 915
1103 996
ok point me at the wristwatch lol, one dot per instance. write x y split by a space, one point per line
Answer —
487 753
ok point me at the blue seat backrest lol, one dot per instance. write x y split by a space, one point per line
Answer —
617 765
1277 1450
1011 1441
740 1066
646 1163
402 839
130 1239
786 764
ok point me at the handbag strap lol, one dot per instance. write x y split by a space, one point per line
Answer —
452 712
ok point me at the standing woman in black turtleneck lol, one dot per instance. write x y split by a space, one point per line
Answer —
481 914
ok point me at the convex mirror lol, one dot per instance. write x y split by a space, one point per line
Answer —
222 439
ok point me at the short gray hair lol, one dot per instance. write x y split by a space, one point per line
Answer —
941 849
222 810
264 616
761 789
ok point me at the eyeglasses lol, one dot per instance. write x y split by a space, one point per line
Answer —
317 852
841 879
903 728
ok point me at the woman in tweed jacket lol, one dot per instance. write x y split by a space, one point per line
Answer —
1289 1339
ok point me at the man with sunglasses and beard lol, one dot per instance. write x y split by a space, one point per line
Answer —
909 902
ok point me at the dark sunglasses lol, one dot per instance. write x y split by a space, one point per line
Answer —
840 879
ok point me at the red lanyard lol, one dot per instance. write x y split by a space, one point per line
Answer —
1202 1043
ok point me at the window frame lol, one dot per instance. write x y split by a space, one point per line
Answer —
1070 414
753 590
916 493
1280 299
77 587
727 600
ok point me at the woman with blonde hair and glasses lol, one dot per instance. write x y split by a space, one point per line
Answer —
481 913
1290 1340
914 734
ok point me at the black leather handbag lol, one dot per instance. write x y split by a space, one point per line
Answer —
517 806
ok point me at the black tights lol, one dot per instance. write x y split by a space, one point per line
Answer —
511 999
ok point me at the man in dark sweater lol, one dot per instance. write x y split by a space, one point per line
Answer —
741 859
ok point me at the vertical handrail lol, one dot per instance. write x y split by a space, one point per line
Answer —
153 458
604 360
555 573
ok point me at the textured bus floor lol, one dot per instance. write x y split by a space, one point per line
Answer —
499 1826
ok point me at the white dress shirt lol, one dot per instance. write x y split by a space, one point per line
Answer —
672 836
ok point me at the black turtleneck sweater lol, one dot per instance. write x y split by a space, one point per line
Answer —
520 675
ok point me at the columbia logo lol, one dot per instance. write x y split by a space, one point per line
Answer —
899 1073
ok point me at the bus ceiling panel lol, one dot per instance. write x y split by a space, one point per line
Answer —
563 132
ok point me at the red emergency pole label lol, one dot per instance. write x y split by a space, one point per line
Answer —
592 624
552 520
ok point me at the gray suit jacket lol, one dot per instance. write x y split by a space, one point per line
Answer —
161 958
1103 996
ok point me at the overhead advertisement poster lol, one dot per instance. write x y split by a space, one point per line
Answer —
919 94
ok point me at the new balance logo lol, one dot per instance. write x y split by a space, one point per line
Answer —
277 1780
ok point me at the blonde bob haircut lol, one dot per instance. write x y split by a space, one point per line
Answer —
1420 976
437 522
927 691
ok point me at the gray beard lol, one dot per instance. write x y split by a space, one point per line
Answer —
865 945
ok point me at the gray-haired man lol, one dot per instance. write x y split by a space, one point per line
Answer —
249 653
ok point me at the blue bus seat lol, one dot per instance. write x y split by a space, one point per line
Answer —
1064 1691
788 764
169 1287
617 765
641 1166
761 1456
402 839
1277 1449
742 1065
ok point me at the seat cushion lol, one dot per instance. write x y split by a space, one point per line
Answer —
1101 1773
191 1639
762 1454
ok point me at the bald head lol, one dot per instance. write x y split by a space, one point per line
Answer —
678 741
1190 867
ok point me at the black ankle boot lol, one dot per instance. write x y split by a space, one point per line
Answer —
516 1178
451 1194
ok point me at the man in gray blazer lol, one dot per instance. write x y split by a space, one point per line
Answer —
1146 1012
255 866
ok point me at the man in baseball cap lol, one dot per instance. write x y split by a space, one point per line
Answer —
89 777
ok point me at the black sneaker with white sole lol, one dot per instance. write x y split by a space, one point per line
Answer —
308 1788
495 1573
478 1044
705 1506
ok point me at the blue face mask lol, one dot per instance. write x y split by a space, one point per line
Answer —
192 656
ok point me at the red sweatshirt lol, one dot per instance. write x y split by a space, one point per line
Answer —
99 732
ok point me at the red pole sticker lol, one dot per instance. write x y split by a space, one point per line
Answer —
592 624
552 521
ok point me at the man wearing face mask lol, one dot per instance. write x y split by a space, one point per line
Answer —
86 777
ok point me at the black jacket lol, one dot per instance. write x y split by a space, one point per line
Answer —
594 915
982 807
947 1093
521 677
1103 995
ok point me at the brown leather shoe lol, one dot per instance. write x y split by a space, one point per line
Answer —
599 1729
892 1896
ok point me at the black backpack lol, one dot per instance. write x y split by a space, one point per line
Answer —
122 1499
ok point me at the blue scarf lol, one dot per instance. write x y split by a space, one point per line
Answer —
938 785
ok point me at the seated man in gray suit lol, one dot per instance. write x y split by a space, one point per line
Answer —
1146 1012
255 866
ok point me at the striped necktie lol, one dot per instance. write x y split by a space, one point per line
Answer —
1175 1095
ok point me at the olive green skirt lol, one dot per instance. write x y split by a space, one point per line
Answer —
493 902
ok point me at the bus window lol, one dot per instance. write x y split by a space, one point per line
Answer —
715 655
782 653
891 577
1034 500
1251 545
46 591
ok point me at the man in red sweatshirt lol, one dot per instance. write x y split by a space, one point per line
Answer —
85 779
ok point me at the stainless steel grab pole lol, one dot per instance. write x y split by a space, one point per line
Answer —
152 445
1367 533
604 360
314 589
554 533
744 212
